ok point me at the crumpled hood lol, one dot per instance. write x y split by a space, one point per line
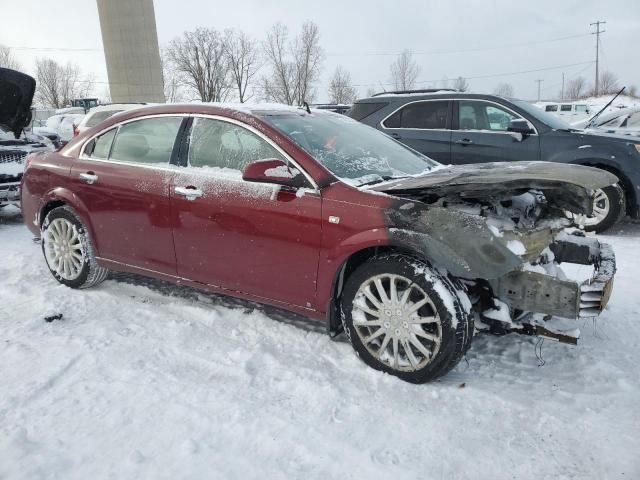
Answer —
568 186
16 94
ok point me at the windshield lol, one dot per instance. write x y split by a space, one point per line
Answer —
352 151
549 119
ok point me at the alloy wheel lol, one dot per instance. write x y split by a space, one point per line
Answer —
397 322
64 249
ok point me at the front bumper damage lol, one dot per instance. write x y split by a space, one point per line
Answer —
536 292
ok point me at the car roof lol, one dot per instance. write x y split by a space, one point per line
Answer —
420 95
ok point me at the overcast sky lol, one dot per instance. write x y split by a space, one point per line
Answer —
450 38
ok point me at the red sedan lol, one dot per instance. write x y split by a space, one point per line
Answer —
321 215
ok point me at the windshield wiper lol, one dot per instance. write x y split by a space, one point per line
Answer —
381 178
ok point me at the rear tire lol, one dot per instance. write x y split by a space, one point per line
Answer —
406 319
68 250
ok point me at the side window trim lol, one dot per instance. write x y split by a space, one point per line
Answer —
449 125
456 126
187 145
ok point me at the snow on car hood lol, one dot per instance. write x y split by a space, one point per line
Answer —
569 186
16 95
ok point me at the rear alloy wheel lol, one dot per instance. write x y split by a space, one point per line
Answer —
608 207
404 318
68 250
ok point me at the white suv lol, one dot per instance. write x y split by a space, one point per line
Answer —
102 112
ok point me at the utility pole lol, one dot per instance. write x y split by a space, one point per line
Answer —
597 34
562 91
539 82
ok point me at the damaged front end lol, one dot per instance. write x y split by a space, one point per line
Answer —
504 236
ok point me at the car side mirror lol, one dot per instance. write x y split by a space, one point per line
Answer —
274 171
519 125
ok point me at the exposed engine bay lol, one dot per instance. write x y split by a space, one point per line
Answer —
506 244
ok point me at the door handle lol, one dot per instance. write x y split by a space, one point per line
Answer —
464 141
88 177
191 193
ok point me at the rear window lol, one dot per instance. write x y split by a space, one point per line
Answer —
551 108
98 117
565 108
363 110
426 115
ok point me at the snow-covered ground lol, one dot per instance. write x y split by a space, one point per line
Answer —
146 380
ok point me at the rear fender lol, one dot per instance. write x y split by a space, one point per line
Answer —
67 197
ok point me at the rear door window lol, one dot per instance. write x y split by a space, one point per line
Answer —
565 108
429 115
148 141
551 108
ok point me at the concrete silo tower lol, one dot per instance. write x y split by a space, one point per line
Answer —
131 50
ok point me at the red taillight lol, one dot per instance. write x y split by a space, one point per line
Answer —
76 130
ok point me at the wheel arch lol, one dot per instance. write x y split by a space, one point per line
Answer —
625 183
347 267
60 197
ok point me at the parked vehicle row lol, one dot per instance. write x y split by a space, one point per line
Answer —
462 128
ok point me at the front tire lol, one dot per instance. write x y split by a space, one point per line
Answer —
404 318
609 206
68 250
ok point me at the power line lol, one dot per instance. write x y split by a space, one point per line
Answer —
448 52
493 75
352 54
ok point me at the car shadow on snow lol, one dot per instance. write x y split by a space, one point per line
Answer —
208 299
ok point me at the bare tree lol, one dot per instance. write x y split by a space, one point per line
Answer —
170 78
608 83
199 58
504 90
295 66
243 56
404 71
460 84
7 59
575 88
58 84
340 89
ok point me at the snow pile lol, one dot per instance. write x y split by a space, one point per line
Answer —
143 379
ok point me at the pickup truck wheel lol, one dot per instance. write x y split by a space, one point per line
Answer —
609 206
404 318
68 250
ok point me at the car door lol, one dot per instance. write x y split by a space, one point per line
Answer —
256 238
425 126
123 179
480 134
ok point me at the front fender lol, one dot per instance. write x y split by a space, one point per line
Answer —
460 243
